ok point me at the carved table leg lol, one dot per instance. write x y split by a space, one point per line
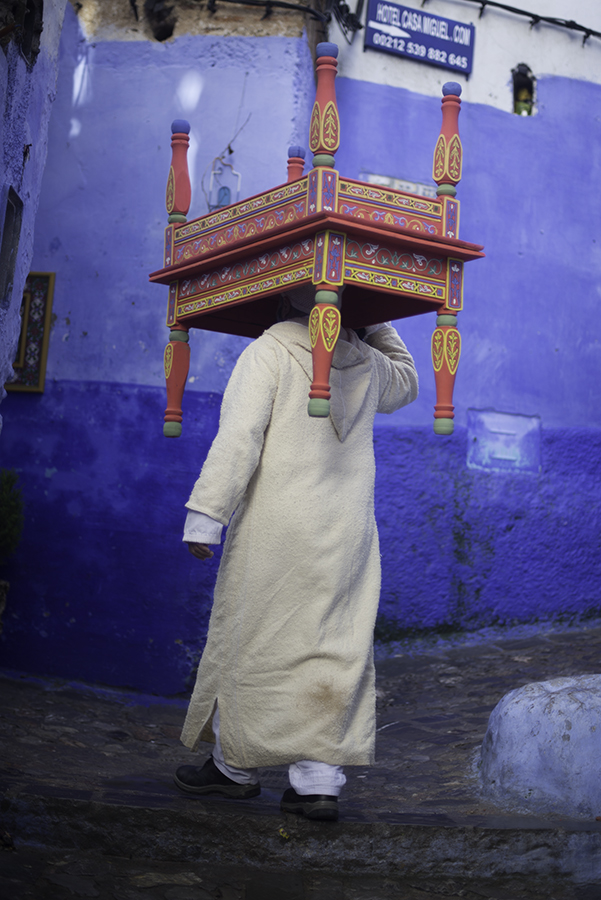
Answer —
446 349
324 328
177 364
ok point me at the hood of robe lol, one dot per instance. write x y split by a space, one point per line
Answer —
350 375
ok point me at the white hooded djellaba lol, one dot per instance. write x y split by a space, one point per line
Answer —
289 653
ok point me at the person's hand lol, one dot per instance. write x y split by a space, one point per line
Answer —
200 551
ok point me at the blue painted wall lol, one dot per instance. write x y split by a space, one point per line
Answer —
528 194
465 548
102 213
26 97
102 588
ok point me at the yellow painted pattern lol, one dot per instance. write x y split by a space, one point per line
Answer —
353 190
315 128
170 193
330 128
248 208
452 349
329 321
168 359
221 297
438 168
434 291
454 158
314 326
438 349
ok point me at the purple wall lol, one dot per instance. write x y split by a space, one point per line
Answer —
102 210
528 194
102 588
26 97
466 548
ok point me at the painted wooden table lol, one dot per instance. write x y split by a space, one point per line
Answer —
372 254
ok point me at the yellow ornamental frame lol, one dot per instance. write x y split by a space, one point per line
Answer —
315 128
438 349
168 359
32 351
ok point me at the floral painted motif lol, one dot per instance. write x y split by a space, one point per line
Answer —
168 359
330 326
386 196
451 211
168 246
211 298
383 256
452 348
330 128
334 265
381 207
387 280
438 349
312 194
328 191
454 158
170 192
199 228
315 128
314 326
320 245
455 284
246 269
171 304
438 169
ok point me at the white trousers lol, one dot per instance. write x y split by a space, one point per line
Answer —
306 776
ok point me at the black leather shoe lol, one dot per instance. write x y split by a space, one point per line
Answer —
312 806
209 780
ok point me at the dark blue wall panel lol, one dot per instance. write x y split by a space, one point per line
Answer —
466 548
102 588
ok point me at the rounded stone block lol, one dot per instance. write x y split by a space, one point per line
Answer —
542 748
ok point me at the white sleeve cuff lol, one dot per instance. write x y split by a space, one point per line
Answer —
201 529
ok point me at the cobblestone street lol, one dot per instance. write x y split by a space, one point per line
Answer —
58 876
89 804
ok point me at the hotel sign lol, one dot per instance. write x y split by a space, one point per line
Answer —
418 35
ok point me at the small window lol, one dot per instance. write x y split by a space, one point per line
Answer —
11 210
524 84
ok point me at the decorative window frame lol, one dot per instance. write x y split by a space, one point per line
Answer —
36 320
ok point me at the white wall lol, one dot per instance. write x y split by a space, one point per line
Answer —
503 40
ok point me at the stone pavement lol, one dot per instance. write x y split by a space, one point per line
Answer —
90 806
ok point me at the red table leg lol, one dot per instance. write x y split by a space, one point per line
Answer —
446 349
177 364
324 328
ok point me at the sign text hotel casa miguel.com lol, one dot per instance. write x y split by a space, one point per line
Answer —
418 35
